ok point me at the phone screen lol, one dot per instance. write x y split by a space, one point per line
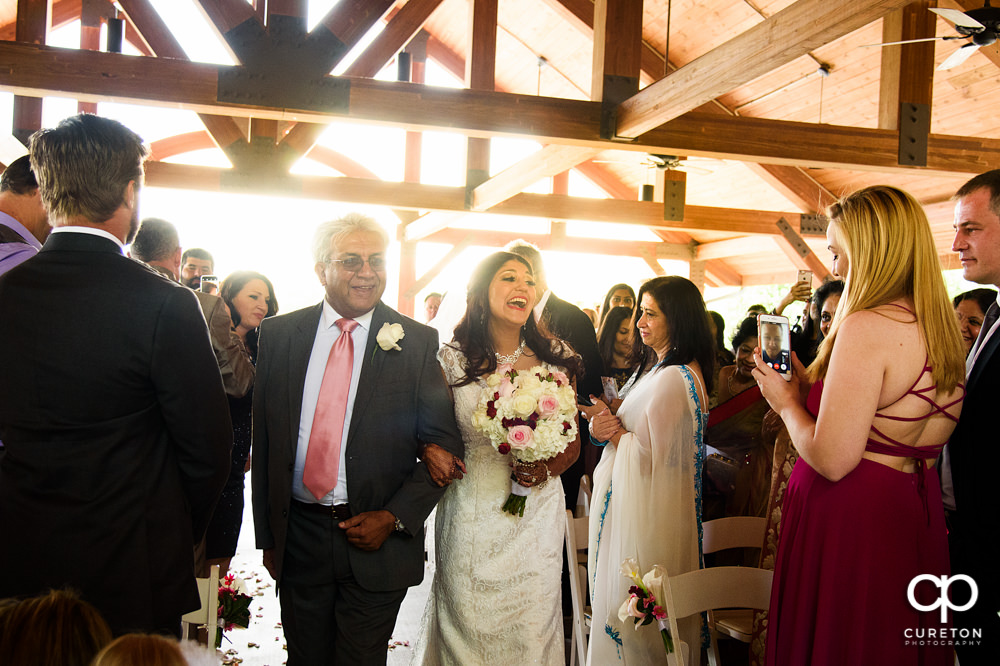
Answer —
774 340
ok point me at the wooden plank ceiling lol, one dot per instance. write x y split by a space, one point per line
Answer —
772 111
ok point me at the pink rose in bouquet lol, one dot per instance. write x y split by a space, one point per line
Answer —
548 405
520 437
560 377
506 388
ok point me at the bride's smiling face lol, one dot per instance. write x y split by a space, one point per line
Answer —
512 293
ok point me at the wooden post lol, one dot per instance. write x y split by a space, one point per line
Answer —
480 74
32 26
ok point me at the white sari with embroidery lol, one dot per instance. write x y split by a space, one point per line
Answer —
647 505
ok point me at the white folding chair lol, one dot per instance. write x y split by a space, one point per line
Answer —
722 534
583 497
709 589
577 535
207 615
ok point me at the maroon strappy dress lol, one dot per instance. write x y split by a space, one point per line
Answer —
848 552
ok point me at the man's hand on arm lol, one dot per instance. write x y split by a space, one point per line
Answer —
369 530
442 465
269 563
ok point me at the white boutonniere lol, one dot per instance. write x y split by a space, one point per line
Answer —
389 335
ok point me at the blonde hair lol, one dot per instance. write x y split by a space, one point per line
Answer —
891 255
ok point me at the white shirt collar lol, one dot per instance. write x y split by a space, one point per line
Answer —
330 317
540 307
93 232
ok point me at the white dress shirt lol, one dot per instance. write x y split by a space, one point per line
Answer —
326 334
93 232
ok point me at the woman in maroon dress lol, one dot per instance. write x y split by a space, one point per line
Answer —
863 515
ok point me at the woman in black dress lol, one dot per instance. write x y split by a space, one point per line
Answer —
250 298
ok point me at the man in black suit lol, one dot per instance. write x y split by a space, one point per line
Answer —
111 405
976 519
345 544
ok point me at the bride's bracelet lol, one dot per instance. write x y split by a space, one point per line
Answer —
531 468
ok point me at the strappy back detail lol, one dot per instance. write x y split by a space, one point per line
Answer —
891 447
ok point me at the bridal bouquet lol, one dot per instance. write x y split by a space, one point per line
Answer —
234 606
530 414
641 605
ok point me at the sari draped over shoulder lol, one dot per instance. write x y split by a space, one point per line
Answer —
647 505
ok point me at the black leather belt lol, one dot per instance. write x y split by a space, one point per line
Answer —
340 512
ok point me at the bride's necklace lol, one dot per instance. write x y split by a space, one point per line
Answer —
510 358
732 391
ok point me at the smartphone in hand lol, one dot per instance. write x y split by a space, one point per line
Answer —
775 343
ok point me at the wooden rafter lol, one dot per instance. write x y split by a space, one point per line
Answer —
790 33
224 130
443 198
40 71
480 74
792 182
400 29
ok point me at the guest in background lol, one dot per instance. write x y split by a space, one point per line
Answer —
150 650
591 315
567 322
723 357
54 629
647 487
250 298
196 262
615 342
884 412
757 309
970 308
24 222
828 298
431 304
619 296
738 469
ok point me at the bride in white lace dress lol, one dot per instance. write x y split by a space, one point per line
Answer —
495 598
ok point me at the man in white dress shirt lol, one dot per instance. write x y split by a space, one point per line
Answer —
340 497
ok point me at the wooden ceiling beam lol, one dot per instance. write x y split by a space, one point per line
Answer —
734 247
722 274
225 131
907 72
32 26
617 35
480 74
792 32
349 20
398 32
599 246
441 198
40 71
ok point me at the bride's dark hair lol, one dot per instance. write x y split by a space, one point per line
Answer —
472 334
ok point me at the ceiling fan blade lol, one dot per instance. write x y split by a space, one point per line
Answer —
958 57
907 41
958 18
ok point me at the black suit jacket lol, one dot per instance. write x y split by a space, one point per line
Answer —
976 522
402 401
568 322
117 432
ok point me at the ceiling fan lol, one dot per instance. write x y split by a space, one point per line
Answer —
665 162
982 25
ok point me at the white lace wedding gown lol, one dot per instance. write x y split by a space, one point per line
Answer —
496 596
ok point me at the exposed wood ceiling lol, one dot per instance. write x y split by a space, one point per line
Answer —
774 138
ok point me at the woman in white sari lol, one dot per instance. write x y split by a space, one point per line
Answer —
647 486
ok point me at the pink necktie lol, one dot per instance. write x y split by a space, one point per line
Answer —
323 457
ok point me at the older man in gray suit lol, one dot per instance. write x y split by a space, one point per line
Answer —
349 394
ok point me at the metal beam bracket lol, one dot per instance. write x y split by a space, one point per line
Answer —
914 127
794 239
813 225
673 200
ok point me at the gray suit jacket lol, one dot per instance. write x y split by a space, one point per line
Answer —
402 401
